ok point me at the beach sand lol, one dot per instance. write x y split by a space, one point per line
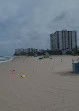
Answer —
49 84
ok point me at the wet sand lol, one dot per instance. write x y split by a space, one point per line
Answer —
49 85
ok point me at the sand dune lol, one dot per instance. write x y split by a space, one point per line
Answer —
49 84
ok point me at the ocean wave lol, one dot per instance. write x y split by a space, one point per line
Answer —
5 58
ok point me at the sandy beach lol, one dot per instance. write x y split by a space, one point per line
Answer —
49 84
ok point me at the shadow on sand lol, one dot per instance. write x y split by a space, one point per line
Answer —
68 73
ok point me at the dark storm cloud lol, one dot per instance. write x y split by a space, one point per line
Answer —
28 23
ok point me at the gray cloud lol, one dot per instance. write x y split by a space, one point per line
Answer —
60 17
28 23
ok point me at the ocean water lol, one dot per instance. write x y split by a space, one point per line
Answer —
5 58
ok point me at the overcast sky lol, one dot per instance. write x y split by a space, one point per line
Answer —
28 23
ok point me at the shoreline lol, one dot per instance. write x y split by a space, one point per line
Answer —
7 60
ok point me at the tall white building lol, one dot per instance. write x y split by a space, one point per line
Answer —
62 40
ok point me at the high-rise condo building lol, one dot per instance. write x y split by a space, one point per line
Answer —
62 40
